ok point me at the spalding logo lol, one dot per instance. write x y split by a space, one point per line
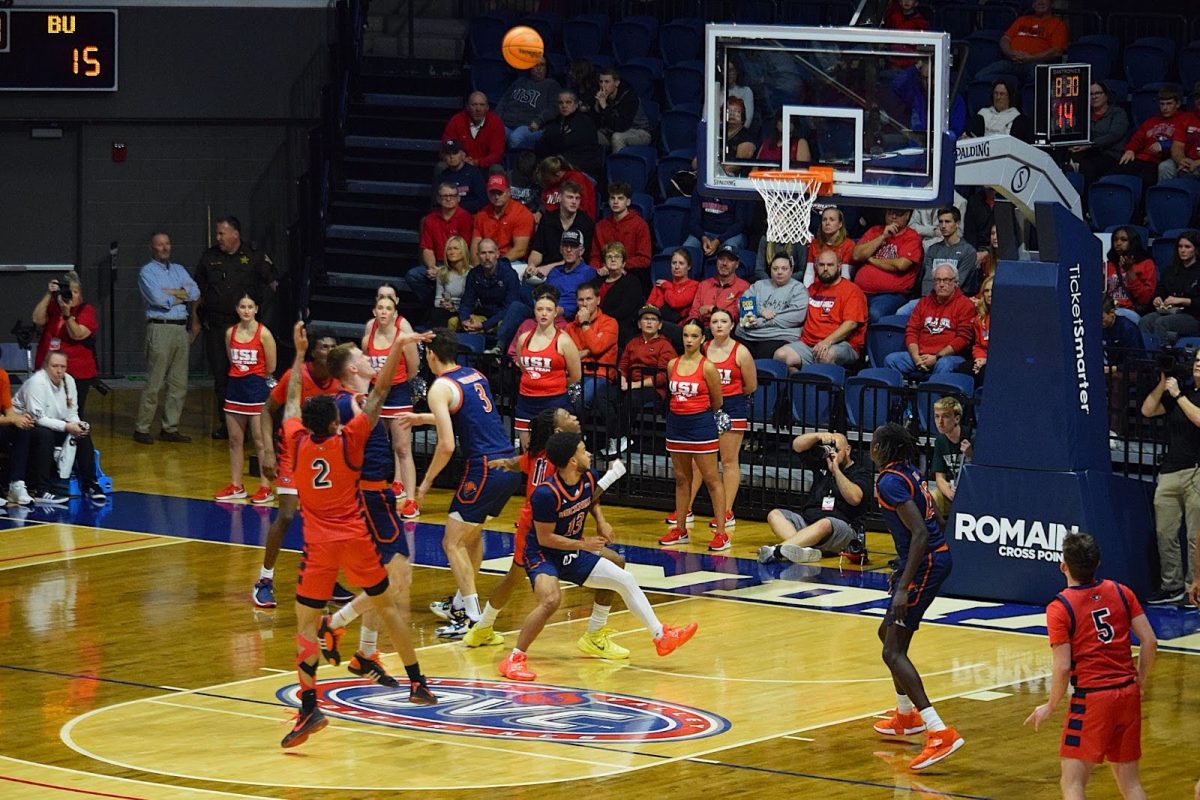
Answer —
502 710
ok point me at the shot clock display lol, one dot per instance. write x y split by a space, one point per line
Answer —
49 50
1062 113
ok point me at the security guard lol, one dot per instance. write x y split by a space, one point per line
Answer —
224 274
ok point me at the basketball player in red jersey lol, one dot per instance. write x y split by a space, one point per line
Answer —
326 460
315 380
1089 625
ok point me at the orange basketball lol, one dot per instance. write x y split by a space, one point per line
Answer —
522 47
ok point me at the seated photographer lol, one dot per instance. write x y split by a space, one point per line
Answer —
68 324
50 397
14 438
831 516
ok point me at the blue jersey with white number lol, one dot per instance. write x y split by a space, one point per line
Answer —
565 506
378 462
477 424
896 484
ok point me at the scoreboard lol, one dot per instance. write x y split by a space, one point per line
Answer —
1062 110
48 50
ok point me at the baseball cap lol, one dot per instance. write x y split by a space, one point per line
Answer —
651 310
451 146
729 250
497 183
573 238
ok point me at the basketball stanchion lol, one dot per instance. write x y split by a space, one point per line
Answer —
789 196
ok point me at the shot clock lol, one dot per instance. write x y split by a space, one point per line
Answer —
1062 111
48 50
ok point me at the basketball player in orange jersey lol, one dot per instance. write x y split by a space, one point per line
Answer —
316 380
1089 625
326 459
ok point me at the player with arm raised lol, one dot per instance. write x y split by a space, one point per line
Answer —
327 458
916 529
561 551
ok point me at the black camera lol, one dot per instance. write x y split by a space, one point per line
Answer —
25 333
827 450
64 283
1174 362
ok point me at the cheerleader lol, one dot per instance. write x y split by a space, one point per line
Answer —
549 363
377 340
251 349
692 433
739 379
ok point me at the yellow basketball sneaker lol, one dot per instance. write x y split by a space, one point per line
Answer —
598 644
479 635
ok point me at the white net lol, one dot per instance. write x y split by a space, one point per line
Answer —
789 200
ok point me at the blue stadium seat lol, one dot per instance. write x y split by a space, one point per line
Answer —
1076 181
582 38
1112 201
681 40
670 223
997 16
683 84
1189 185
884 337
960 20
1169 207
1105 40
642 203
1164 44
1189 65
1141 230
1162 250
869 396
548 25
653 113
668 165
1092 52
660 267
492 77
984 48
485 33
816 395
937 387
1146 63
628 168
979 95
471 342
772 384
632 38
638 77
1144 102
677 130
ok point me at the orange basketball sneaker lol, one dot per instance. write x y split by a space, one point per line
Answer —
673 638
938 745
898 724
516 668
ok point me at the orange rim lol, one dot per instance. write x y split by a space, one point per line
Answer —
822 175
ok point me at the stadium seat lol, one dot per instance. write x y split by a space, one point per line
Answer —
677 130
979 95
1162 250
632 38
549 26
745 269
1105 40
642 203
660 267
1143 102
1169 207
1145 64
1141 230
629 168
681 40
1095 53
1164 44
884 337
984 48
1112 201
582 38
668 165
471 342
868 397
638 77
485 33
1191 343
683 84
1189 65
772 384
492 77
670 223
653 113
960 20
1076 181
937 387
816 395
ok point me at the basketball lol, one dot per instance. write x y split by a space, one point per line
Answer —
522 47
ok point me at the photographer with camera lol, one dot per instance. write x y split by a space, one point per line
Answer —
68 325
830 518
1177 495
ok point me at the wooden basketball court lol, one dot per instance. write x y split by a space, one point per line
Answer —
135 666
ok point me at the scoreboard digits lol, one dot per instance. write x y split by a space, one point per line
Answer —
58 51
1062 115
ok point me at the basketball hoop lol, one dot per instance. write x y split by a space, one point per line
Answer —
789 196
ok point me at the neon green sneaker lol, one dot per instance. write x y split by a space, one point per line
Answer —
478 636
598 644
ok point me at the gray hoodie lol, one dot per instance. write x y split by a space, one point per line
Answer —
790 304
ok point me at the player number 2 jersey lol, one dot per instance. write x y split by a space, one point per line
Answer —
326 471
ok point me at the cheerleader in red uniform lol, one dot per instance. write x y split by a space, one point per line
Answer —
251 350
549 363
376 342
694 419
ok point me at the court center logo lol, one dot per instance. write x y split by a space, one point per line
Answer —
504 710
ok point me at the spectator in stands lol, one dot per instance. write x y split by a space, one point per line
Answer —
771 149
620 292
1185 146
832 235
982 330
1003 115
835 329
1130 274
925 222
979 222
450 282
545 247
528 104
1122 338
466 178
888 256
988 256
951 449
721 290
739 142
673 298
618 113
1178 493
479 131
911 87
51 398
1037 38
1151 143
716 221
938 335
572 135
643 380
1177 296
1110 128
772 311
508 224
831 514
14 441
584 81
552 172
523 186
489 290
448 219
735 91
566 278
626 227
68 324
952 250
595 336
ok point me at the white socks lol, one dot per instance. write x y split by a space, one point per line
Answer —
368 641
471 606
903 704
599 617
933 722
488 618
269 574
